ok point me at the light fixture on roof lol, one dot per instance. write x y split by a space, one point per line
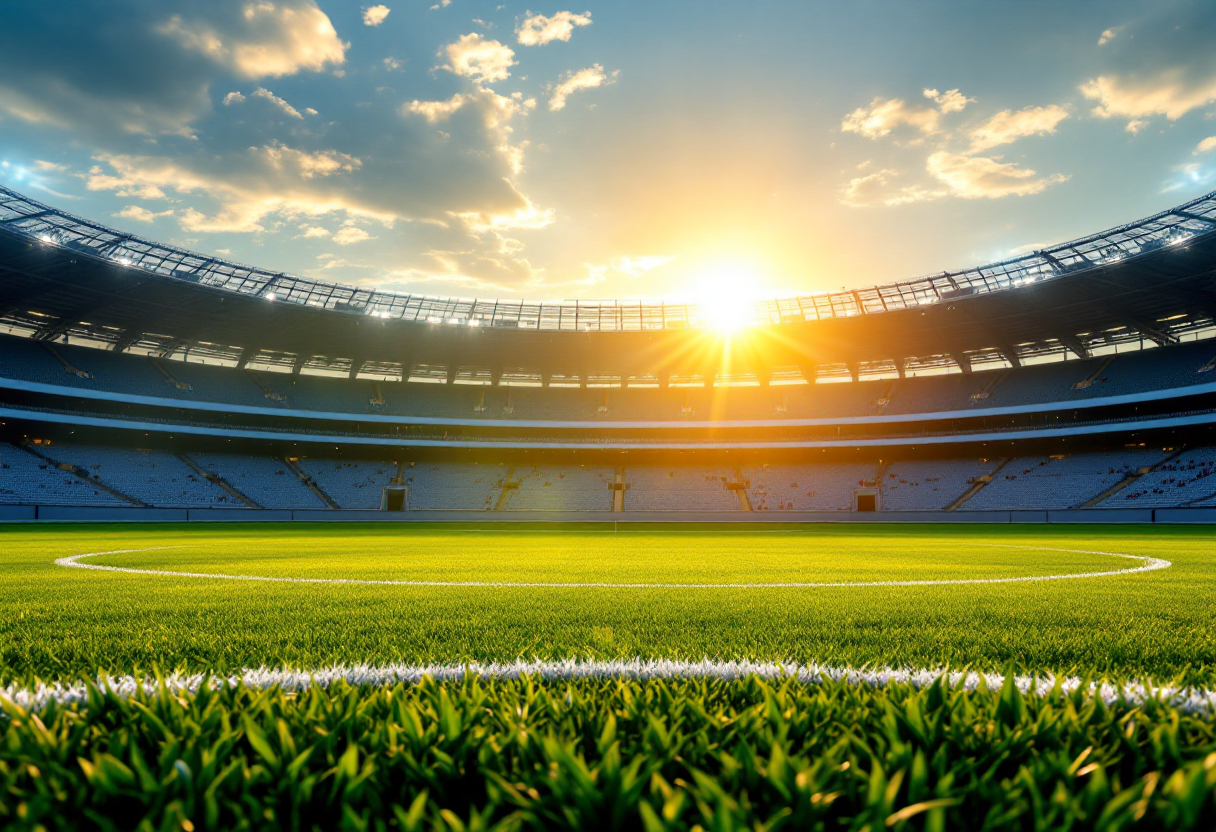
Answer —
47 238
270 296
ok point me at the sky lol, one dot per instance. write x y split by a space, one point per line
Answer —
684 150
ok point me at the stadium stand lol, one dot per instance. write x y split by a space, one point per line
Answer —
28 479
455 485
562 488
930 485
1176 482
267 481
350 484
1060 481
691 488
155 478
810 487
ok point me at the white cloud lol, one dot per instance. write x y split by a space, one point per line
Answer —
48 167
1108 35
267 95
527 217
374 15
272 179
885 115
584 79
1161 66
140 214
950 101
314 231
480 59
878 189
537 30
493 111
392 64
1168 93
1206 145
267 40
1008 126
980 177
626 267
350 234
233 98
443 4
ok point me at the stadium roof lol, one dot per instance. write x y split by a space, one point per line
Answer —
1153 279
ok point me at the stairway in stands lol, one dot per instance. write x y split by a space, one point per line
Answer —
218 480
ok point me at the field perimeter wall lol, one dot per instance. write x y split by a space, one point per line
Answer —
72 514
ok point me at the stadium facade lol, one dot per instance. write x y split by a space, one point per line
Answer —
135 376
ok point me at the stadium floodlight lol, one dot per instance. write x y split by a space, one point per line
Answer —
270 296
47 238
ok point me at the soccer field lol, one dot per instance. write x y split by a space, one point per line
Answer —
631 713
1041 599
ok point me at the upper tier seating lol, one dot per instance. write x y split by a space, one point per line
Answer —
350 483
1128 373
455 485
930 485
1176 482
26 479
827 486
156 478
267 481
562 488
669 488
1059 482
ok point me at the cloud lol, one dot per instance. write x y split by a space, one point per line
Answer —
48 167
624 267
350 234
264 40
950 101
885 115
482 60
878 189
392 64
981 177
267 95
374 15
314 231
140 214
263 181
537 30
1163 67
493 112
146 67
1108 35
233 98
1206 145
1008 126
443 4
584 79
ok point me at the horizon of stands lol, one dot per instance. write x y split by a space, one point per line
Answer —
1130 373
81 474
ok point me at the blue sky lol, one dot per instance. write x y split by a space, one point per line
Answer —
626 149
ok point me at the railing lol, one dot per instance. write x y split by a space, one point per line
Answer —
51 226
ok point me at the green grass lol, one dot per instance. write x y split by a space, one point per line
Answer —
607 754
61 624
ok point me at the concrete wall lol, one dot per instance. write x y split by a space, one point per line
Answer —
70 514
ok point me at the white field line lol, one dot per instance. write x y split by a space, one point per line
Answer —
1147 565
1196 701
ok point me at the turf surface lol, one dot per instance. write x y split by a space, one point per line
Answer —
61 623
606 754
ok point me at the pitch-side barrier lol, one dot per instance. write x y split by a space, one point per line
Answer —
93 514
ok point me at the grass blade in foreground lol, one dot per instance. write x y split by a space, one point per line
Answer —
608 754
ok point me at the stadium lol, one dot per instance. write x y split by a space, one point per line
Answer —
569 460
147 382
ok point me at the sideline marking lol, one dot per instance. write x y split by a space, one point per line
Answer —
1147 565
1198 701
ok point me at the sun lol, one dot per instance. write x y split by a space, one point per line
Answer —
725 300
